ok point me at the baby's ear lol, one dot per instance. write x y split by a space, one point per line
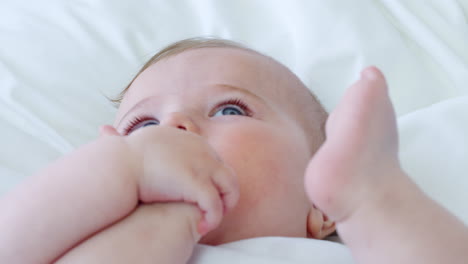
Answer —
107 130
319 225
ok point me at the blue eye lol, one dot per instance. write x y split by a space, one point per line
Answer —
230 110
232 107
149 123
140 122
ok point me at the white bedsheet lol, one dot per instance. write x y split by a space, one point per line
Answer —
58 58
273 250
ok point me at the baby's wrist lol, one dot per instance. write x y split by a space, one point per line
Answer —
133 158
136 157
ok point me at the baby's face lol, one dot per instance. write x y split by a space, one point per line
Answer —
236 100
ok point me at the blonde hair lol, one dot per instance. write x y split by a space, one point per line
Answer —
313 117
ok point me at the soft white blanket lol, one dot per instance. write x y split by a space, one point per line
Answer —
59 58
274 250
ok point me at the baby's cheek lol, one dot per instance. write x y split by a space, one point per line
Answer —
262 154
258 157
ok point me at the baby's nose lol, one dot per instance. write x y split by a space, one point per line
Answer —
182 121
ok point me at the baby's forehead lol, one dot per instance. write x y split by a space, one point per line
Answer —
239 67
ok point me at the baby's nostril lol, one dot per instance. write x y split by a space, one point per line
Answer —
182 127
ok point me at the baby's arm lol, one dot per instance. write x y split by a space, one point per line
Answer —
69 200
102 182
156 233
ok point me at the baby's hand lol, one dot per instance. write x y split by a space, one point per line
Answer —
180 166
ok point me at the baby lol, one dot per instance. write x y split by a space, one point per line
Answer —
213 143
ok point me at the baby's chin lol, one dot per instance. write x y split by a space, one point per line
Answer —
207 240
225 234
218 237
215 239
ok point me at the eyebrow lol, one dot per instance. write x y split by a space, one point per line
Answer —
229 87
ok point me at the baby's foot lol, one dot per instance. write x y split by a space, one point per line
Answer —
359 155
355 178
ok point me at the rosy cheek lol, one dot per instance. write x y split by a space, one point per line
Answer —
259 153
253 153
241 147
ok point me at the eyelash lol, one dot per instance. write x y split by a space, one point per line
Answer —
234 101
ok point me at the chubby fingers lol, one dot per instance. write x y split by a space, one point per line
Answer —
228 187
215 197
